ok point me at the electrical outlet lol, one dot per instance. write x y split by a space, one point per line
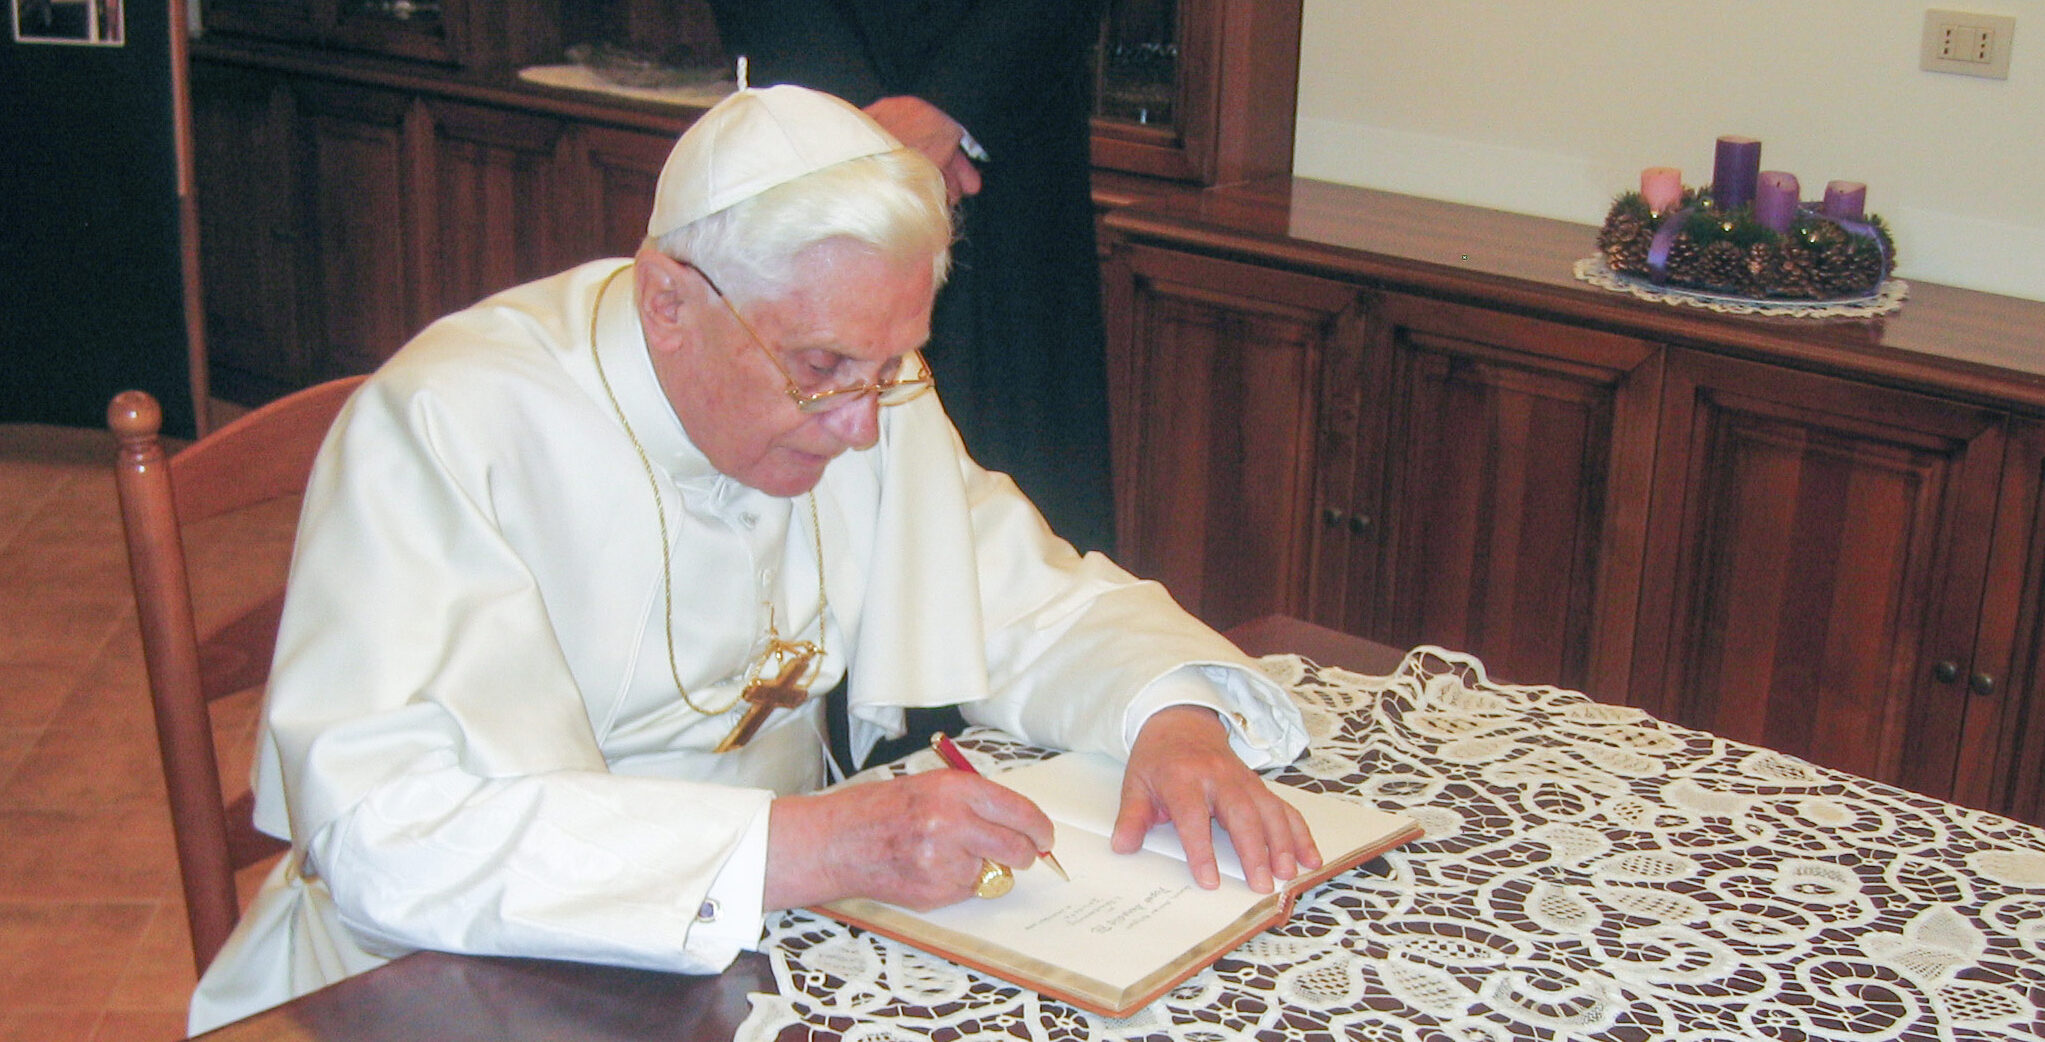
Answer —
1967 43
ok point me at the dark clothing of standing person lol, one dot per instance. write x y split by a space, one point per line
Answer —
1016 340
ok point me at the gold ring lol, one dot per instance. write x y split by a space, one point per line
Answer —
995 879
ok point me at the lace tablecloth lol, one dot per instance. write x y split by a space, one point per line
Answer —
1589 873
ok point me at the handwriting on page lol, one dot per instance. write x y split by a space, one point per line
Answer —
1115 904
1108 915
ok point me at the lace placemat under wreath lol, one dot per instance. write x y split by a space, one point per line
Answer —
1589 873
1886 298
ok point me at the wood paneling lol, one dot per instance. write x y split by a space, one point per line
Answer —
1810 528
494 176
1510 456
1216 405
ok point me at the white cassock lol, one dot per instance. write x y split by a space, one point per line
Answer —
472 736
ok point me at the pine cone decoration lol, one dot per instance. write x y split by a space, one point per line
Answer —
1852 269
1731 253
1625 238
1796 275
1723 266
1764 268
1683 262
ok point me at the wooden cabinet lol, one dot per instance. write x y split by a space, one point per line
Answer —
1492 495
496 184
1197 90
364 236
1411 470
1214 380
364 212
2004 744
1818 551
1826 538
250 225
447 32
617 171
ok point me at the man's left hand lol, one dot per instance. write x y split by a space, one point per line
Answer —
927 129
1183 771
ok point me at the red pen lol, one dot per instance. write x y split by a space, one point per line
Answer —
956 760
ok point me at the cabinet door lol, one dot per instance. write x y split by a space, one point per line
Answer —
616 173
1817 546
365 244
494 194
1497 501
1213 379
2002 761
250 224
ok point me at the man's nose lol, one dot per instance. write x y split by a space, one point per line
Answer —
856 423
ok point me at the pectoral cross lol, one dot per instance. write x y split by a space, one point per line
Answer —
762 697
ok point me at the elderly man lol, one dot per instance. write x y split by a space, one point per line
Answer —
573 562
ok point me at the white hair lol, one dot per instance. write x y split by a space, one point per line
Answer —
893 203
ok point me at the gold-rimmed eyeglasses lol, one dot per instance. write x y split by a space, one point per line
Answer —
886 392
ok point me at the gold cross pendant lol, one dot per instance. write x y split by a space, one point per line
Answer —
763 697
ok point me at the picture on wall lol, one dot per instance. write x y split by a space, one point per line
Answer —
90 22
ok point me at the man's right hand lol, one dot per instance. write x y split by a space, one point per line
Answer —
914 841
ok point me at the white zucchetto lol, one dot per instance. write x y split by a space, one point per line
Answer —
754 140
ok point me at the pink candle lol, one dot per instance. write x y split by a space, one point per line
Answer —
1845 200
1661 187
1776 198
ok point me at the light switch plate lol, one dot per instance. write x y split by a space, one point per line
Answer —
1967 43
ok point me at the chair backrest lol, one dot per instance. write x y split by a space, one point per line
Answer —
262 456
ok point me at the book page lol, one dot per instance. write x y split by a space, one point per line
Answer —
1124 922
1119 918
1082 792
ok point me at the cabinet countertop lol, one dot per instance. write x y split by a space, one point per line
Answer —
500 86
1981 347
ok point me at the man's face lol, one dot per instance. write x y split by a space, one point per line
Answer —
851 320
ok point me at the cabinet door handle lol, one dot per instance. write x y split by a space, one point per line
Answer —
1332 517
1359 523
1981 684
1946 672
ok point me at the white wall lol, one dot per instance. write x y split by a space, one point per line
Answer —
1552 107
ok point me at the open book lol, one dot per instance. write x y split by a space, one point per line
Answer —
1127 928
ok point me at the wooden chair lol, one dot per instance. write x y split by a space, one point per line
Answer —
262 456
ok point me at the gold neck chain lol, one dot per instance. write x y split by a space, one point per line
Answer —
777 649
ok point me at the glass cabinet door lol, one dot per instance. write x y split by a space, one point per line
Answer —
402 28
1137 64
1196 90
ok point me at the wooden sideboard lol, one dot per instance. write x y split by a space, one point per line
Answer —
1407 420
365 166
344 206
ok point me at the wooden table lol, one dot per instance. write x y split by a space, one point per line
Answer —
459 998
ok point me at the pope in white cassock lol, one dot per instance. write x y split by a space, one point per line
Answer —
572 562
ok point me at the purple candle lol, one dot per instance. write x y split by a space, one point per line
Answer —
1733 171
1776 200
1845 200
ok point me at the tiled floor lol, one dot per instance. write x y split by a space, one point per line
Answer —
92 934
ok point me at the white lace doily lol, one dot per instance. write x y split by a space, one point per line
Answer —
1886 298
1589 873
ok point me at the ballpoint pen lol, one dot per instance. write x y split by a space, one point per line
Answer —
956 760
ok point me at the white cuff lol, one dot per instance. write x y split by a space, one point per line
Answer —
1264 727
972 147
728 919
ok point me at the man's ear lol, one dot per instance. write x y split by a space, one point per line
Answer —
661 284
